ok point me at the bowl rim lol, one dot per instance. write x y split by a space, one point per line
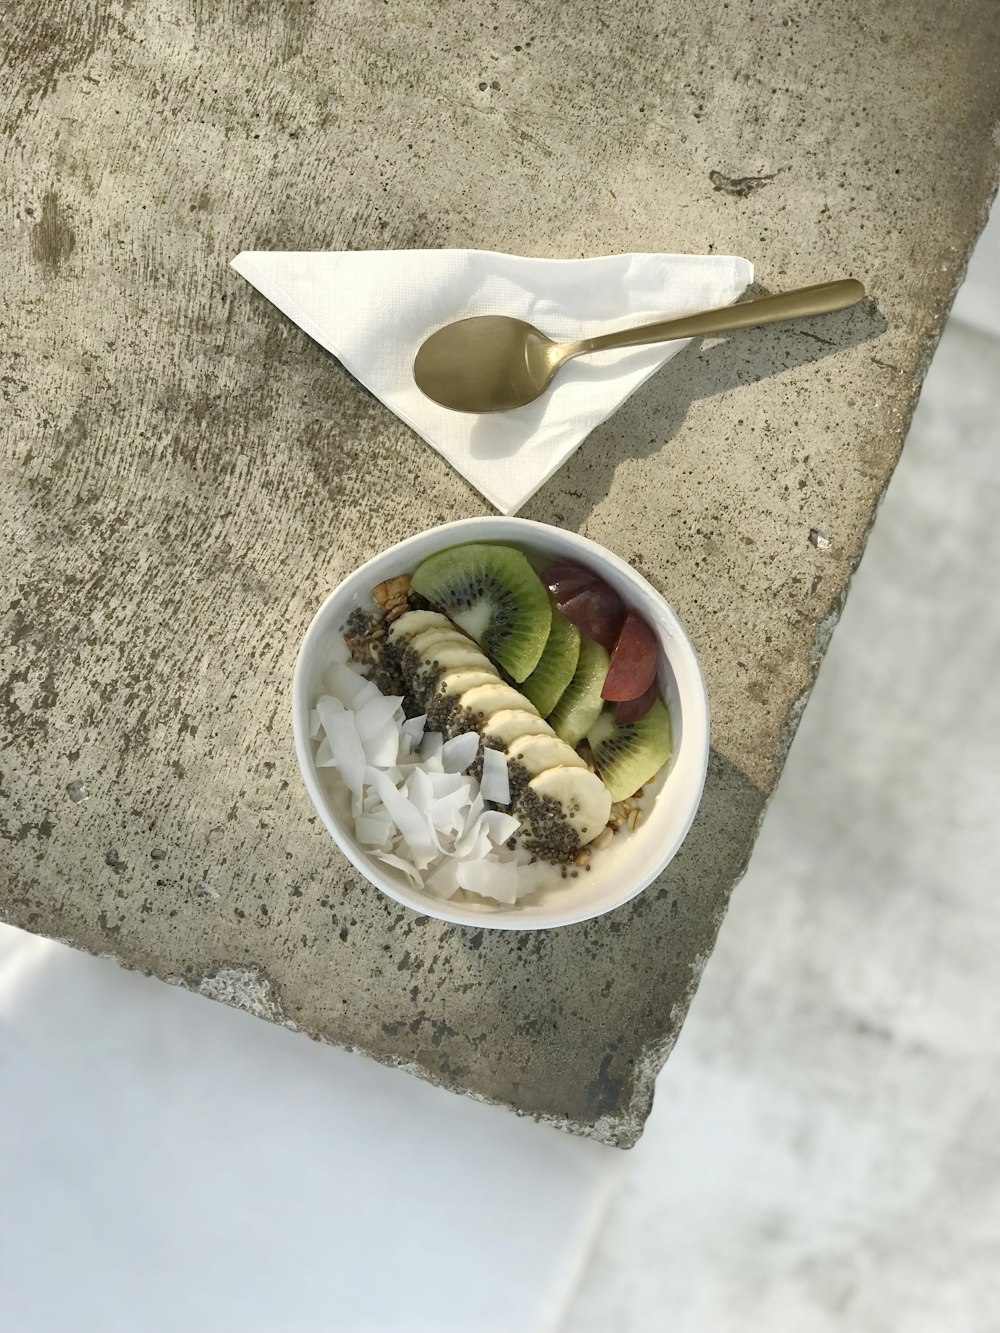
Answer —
696 724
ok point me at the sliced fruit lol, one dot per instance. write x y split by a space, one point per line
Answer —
597 612
537 753
628 756
545 685
493 594
485 700
582 796
511 723
581 704
412 622
427 638
566 579
451 656
633 709
633 662
462 679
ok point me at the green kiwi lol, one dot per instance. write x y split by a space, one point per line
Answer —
493 594
628 756
556 666
580 704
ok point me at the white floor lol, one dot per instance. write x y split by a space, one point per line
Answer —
824 1153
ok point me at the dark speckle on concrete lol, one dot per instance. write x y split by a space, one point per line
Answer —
52 237
738 186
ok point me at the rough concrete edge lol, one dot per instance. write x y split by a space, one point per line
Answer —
625 1129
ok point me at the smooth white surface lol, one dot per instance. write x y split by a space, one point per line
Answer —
978 301
167 1165
624 868
373 308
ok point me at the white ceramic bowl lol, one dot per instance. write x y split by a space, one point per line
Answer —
631 861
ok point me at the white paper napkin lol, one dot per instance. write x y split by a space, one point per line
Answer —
372 309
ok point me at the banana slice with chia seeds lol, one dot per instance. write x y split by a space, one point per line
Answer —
510 724
426 639
482 701
462 679
583 799
413 622
455 656
537 753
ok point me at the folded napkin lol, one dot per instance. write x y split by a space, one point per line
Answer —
372 309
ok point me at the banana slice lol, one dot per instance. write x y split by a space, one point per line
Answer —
412 622
448 656
485 700
537 753
425 639
510 724
582 796
464 678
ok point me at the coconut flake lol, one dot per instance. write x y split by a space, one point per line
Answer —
495 784
348 753
315 725
499 825
346 683
326 706
448 812
420 791
375 715
409 870
416 828
458 754
375 832
473 843
412 731
369 690
382 748
443 879
430 750
446 784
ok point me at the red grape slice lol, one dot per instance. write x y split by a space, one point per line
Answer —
565 580
631 710
633 663
597 612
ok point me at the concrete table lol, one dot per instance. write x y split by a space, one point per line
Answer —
186 474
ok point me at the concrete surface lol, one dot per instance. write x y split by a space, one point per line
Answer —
185 475
820 1157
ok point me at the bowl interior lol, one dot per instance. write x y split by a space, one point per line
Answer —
619 871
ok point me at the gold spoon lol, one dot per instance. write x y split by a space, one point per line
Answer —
491 363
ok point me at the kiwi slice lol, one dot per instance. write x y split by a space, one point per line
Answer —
627 756
556 666
581 703
493 594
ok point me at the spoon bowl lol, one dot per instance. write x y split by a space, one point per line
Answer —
493 363
489 363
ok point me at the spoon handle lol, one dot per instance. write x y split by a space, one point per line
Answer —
819 300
